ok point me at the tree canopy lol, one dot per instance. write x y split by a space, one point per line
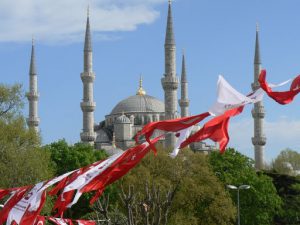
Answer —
199 198
260 203
287 162
21 160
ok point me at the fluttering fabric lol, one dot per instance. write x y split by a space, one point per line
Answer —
282 97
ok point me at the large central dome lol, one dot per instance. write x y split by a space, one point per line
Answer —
139 103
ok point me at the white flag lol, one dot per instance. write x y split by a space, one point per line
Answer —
229 98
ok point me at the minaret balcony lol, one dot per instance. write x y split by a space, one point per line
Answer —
88 77
88 106
259 140
258 112
170 83
184 102
32 95
255 86
87 136
33 121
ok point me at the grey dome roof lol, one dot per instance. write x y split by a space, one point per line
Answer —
139 103
123 119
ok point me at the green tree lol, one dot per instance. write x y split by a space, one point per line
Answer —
22 162
287 162
260 203
65 157
199 197
10 100
288 188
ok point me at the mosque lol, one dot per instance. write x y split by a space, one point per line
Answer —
129 115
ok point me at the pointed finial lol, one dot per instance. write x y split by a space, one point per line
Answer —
32 40
88 10
113 143
257 27
170 2
183 51
141 91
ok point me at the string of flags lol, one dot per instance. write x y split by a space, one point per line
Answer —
24 204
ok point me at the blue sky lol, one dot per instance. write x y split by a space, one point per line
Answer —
128 39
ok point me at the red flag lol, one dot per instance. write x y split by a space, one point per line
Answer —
85 222
173 125
4 192
216 129
283 97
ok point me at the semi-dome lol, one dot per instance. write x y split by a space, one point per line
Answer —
139 103
123 119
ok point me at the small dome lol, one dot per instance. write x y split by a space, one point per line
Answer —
123 119
139 103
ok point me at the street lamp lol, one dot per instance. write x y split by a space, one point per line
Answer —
1 206
241 187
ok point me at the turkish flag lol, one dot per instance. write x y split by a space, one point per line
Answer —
216 129
173 125
60 221
282 97
85 222
40 220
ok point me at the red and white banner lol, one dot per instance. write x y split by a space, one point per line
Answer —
16 195
28 208
282 97
97 177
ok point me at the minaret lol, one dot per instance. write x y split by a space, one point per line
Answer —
258 112
170 80
88 76
33 96
184 102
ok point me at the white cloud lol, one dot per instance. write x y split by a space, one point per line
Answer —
64 20
281 134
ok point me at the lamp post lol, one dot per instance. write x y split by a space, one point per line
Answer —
1 206
241 187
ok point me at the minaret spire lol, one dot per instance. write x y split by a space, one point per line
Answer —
88 76
33 120
258 112
184 101
170 80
